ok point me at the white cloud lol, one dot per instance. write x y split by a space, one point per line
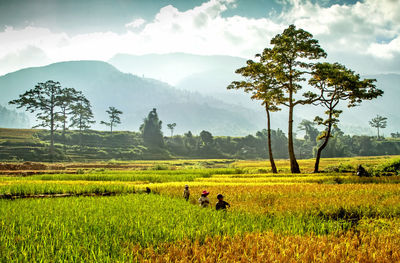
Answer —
28 56
354 28
136 23
385 50
369 29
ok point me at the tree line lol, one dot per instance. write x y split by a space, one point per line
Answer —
74 110
126 145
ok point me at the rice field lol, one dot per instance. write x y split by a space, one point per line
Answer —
326 217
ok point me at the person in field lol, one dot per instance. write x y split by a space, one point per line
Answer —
186 193
221 204
203 200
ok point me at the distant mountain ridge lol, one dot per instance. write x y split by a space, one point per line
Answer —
210 75
106 86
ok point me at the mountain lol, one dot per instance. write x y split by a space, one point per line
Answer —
209 75
200 100
106 86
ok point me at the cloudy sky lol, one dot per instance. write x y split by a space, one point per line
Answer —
364 35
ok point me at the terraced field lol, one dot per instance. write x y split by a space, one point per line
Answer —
333 216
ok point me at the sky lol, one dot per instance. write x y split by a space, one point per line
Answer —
364 35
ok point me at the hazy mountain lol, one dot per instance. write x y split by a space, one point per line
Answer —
210 75
174 67
106 86
13 119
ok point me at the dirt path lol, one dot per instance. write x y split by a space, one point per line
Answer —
12 197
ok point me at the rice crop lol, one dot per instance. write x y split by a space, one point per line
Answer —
104 228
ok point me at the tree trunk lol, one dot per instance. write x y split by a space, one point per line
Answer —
378 132
52 128
322 147
294 166
271 157
80 132
64 129
52 137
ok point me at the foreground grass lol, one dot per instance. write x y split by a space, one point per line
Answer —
104 229
272 247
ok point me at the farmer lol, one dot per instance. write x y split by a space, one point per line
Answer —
221 204
203 200
186 193
148 190
362 172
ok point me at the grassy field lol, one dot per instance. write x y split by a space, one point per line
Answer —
333 216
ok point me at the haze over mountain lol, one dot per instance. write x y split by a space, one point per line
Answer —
201 102
105 86
210 75
13 119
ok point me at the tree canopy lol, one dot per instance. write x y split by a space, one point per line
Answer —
336 83
43 100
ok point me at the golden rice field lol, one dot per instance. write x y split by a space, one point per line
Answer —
334 216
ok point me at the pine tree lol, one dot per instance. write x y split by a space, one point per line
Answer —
151 130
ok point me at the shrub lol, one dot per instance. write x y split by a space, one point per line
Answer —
388 168
80 171
160 167
338 180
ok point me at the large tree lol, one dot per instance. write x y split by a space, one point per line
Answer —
379 122
151 130
68 97
44 100
114 118
263 87
206 137
336 83
289 62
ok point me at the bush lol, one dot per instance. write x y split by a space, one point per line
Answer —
338 180
341 168
388 169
